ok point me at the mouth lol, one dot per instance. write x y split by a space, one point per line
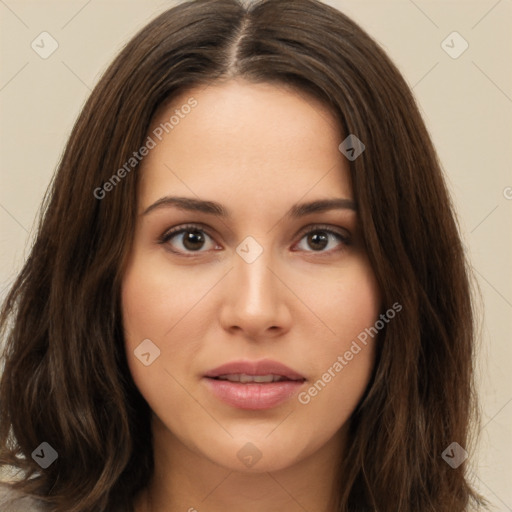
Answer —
243 378
253 385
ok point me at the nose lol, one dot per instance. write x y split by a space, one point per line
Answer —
255 302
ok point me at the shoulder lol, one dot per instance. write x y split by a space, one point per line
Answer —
14 501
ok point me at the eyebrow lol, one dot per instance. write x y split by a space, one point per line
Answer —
214 208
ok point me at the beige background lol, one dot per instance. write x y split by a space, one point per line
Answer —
467 104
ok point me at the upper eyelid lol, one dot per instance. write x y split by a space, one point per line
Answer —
324 227
182 227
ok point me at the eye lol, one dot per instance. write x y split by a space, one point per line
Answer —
321 237
194 239
189 238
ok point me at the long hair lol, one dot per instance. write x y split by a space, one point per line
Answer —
66 380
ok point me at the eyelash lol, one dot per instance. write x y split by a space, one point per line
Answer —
169 234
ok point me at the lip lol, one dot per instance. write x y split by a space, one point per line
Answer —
255 396
262 367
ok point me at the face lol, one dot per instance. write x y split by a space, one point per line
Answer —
238 260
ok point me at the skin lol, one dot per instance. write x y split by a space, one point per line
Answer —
257 149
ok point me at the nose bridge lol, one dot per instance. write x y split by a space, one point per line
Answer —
255 301
255 285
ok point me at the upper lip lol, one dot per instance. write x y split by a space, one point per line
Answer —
262 367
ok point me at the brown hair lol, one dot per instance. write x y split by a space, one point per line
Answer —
66 379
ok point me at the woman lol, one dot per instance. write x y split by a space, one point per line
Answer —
247 291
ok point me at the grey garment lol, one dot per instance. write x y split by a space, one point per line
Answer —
14 501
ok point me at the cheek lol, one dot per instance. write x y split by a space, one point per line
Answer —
163 305
144 303
359 304
350 306
347 302
156 297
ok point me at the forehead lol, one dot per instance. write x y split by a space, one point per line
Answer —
240 140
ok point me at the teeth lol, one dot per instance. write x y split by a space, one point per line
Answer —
243 378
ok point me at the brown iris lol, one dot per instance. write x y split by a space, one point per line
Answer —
318 240
193 239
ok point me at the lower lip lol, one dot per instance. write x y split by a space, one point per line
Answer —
254 396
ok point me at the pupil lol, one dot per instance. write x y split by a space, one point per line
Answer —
193 240
318 240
